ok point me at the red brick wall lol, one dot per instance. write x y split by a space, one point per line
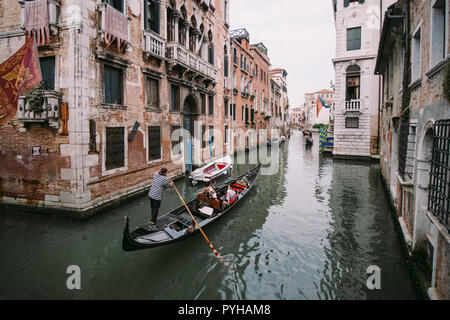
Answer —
26 176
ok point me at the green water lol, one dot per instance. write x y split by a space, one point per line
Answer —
308 232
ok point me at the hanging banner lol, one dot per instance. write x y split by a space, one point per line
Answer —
18 74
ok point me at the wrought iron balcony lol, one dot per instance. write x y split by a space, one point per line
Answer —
176 54
353 105
50 109
153 45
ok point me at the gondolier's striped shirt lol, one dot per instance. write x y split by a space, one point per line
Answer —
159 183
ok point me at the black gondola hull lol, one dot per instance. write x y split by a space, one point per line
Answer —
129 243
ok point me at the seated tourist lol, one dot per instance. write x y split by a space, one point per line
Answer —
209 192
231 194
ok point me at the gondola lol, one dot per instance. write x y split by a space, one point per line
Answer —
178 224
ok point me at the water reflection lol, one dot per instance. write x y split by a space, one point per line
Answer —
308 232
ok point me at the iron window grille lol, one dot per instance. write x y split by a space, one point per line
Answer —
352 123
115 151
439 188
154 143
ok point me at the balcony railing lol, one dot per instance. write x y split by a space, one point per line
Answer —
50 109
177 53
353 105
153 44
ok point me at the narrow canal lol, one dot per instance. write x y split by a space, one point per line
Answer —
308 232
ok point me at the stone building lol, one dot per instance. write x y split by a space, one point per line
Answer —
357 88
248 118
281 100
315 111
120 77
261 90
413 59
296 117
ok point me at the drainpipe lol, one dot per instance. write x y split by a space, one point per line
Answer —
380 83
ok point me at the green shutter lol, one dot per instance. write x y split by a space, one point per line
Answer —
346 3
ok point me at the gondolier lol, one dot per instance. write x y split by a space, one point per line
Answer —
160 182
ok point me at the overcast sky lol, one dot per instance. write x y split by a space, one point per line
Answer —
299 35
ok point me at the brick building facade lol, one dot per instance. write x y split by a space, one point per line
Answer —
125 88
249 118
413 58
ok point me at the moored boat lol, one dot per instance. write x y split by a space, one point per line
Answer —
178 224
212 170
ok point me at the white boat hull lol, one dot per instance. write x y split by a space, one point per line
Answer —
212 170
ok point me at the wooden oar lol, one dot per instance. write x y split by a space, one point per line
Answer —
199 228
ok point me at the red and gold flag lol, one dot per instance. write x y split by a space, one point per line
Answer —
18 74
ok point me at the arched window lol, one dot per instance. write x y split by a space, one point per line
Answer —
152 13
182 27
170 25
353 77
210 48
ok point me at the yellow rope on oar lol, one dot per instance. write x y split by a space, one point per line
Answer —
199 228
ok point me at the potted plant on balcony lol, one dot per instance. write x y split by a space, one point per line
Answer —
235 91
252 96
35 98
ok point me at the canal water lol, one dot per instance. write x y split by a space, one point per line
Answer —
308 232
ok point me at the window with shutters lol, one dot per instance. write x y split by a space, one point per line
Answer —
352 122
48 72
115 148
176 139
211 54
211 105
353 38
226 66
439 17
234 112
112 85
170 26
225 108
203 136
416 56
226 134
152 14
174 98
154 143
92 136
152 93
203 103
246 113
